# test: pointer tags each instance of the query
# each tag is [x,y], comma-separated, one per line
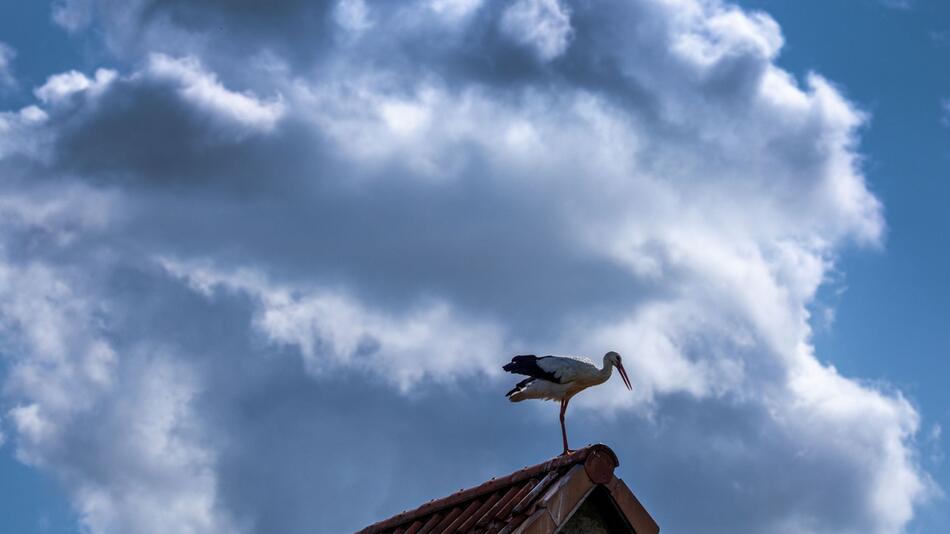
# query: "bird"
[560,378]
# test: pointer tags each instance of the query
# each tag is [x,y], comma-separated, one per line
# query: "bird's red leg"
[563,429]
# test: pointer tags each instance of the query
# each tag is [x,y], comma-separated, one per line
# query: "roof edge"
[578,456]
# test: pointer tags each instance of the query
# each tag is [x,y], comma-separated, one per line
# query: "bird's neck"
[604,373]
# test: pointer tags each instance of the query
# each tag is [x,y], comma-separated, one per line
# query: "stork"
[560,378]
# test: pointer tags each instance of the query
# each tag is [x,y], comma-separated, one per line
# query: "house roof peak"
[505,503]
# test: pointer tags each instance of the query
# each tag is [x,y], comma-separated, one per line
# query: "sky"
[260,265]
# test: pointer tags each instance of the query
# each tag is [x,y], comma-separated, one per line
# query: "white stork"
[560,378]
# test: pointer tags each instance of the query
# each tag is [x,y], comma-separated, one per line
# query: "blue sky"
[260,239]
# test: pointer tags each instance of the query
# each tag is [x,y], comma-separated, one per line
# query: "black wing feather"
[527,364]
[520,385]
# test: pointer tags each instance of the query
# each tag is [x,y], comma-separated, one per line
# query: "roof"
[535,500]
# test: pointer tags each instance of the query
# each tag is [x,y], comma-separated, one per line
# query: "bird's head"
[614,359]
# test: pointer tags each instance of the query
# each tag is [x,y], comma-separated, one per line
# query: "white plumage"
[574,375]
[560,378]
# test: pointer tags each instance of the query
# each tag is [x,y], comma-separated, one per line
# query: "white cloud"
[7,54]
[726,31]
[353,15]
[331,329]
[201,87]
[71,384]
[544,25]
[161,479]
[454,10]
[73,15]
[59,87]
[168,482]
[19,130]
[826,406]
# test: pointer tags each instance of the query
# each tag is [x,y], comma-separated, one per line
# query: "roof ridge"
[525,473]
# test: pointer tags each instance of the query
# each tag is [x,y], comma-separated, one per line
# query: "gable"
[597,514]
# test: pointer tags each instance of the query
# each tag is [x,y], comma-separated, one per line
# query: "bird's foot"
[568,452]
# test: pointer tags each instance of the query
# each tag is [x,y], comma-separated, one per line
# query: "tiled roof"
[534,499]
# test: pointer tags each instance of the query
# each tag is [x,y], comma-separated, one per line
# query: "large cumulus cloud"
[270,259]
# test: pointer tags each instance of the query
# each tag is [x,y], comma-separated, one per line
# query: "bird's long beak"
[623,375]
